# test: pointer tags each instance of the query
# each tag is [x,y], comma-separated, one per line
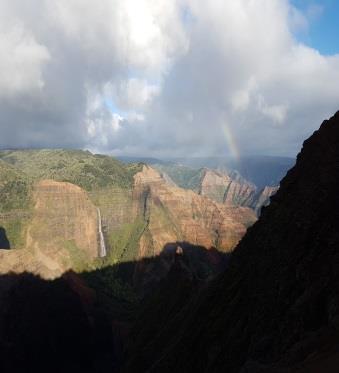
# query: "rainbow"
[231,143]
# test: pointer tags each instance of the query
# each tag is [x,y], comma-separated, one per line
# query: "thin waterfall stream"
[102,252]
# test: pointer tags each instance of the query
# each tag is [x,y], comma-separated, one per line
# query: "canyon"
[123,244]
[66,225]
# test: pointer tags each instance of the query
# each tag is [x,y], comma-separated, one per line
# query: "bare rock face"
[239,194]
[63,212]
[18,261]
[175,214]
[223,189]
[263,198]
[62,234]
[214,185]
[232,191]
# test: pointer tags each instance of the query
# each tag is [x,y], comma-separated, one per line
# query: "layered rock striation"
[234,191]
[176,214]
[62,232]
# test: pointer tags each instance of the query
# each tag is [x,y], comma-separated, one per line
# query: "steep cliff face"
[175,214]
[234,190]
[239,194]
[62,232]
[262,199]
[276,308]
[214,185]
[69,213]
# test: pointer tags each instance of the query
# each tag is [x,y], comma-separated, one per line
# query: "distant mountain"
[275,308]
[234,190]
[263,170]
[259,170]
[184,176]
[229,188]
[247,181]
[146,160]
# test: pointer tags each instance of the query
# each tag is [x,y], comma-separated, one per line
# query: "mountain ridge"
[275,308]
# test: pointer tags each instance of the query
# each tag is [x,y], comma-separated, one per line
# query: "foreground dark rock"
[44,328]
[276,308]
[81,322]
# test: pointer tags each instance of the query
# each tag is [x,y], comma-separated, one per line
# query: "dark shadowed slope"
[43,327]
[80,322]
[277,306]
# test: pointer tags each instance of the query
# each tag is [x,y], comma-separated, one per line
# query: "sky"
[322,32]
[167,78]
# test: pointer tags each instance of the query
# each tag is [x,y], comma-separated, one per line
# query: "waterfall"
[102,252]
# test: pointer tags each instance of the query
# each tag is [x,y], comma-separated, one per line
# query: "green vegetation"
[108,181]
[184,177]
[162,218]
[124,242]
[113,197]
[114,296]
[15,188]
[89,171]
[78,257]
[112,283]
[150,245]
[15,192]
[14,195]
[122,236]
[108,282]
[15,231]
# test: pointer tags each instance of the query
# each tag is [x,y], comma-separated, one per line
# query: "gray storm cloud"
[161,78]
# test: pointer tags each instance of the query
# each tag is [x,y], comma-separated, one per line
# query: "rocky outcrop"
[239,194]
[214,185]
[233,190]
[175,214]
[275,309]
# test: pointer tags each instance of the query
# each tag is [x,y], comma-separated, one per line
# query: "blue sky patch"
[323,31]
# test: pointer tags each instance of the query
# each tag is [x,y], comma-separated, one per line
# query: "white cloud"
[276,113]
[245,68]
[132,93]
[162,77]
[21,63]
